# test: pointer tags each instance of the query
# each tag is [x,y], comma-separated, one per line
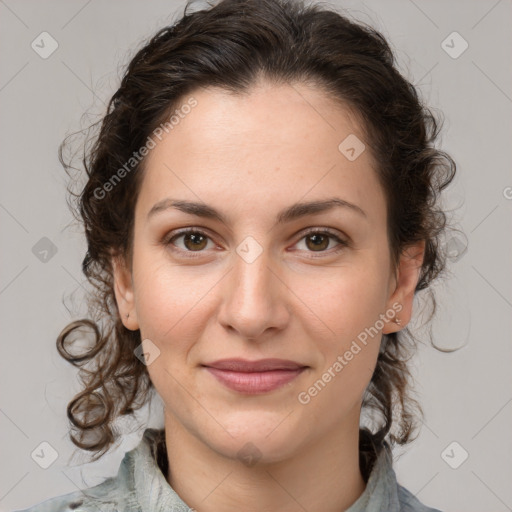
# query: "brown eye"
[318,241]
[193,241]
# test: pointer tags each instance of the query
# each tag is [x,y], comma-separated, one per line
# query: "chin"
[255,439]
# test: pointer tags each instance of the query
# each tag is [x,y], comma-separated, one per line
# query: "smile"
[255,382]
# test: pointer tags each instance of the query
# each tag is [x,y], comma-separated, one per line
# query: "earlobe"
[408,275]
[123,290]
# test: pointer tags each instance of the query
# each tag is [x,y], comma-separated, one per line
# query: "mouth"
[254,377]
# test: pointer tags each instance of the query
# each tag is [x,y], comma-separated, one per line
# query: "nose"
[255,299]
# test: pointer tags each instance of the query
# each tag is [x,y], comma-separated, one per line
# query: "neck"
[321,476]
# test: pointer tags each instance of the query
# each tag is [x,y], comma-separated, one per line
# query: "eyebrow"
[290,213]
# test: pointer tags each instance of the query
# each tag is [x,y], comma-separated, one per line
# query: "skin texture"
[249,157]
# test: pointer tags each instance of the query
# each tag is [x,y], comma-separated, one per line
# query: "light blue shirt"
[140,486]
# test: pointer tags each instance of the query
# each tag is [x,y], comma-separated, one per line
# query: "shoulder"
[409,502]
[383,493]
[108,495]
[135,476]
[114,494]
[58,504]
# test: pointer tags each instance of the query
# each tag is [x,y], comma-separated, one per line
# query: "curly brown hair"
[231,45]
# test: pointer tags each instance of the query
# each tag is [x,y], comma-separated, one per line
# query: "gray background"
[466,394]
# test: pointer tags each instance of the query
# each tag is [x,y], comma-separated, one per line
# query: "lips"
[254,377]
[262,365]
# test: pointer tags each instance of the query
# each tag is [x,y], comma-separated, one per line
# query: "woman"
[260,211]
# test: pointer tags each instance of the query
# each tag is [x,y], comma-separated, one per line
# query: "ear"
[125,297]
[402,297]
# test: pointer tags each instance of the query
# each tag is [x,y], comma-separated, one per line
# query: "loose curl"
[232,45]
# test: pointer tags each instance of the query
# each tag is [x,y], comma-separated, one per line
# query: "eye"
[319,240]
[194,240]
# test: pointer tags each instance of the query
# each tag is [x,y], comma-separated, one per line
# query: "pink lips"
[252,377]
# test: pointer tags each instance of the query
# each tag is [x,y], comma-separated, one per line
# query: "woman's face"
[258,284]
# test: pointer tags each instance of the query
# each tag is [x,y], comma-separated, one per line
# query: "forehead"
[286,114]
[272,145]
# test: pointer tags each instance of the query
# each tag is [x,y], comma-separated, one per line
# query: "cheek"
[168,297]
[171,310]
[346,300]
[348,304]
[350,307]
[174,305]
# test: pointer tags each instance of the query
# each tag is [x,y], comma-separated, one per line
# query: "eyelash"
[322,231]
